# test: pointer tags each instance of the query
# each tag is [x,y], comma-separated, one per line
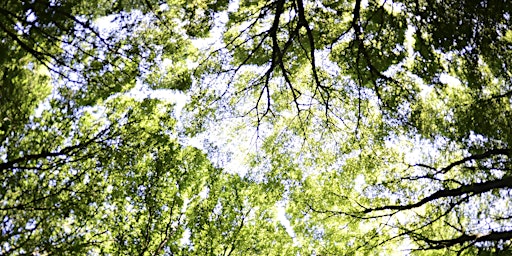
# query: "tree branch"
[474,238]
[475,188]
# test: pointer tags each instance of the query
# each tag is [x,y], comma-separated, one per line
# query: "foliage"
[381,127]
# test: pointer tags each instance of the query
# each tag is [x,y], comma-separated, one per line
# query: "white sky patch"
[364,3]
[409,40]
[392,7]
[106,24]
[45,105]
[185,239]
[163,7]
[140,92]
[281,217]
[359,183]
[233,6]
[204,193]
[449,80]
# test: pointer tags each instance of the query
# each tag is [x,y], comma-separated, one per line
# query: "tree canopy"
[308,127]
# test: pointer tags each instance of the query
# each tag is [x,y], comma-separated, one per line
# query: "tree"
[87,168]
[382,126]
[341,93]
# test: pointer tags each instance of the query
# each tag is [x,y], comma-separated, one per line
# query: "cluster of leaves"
[380,126]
